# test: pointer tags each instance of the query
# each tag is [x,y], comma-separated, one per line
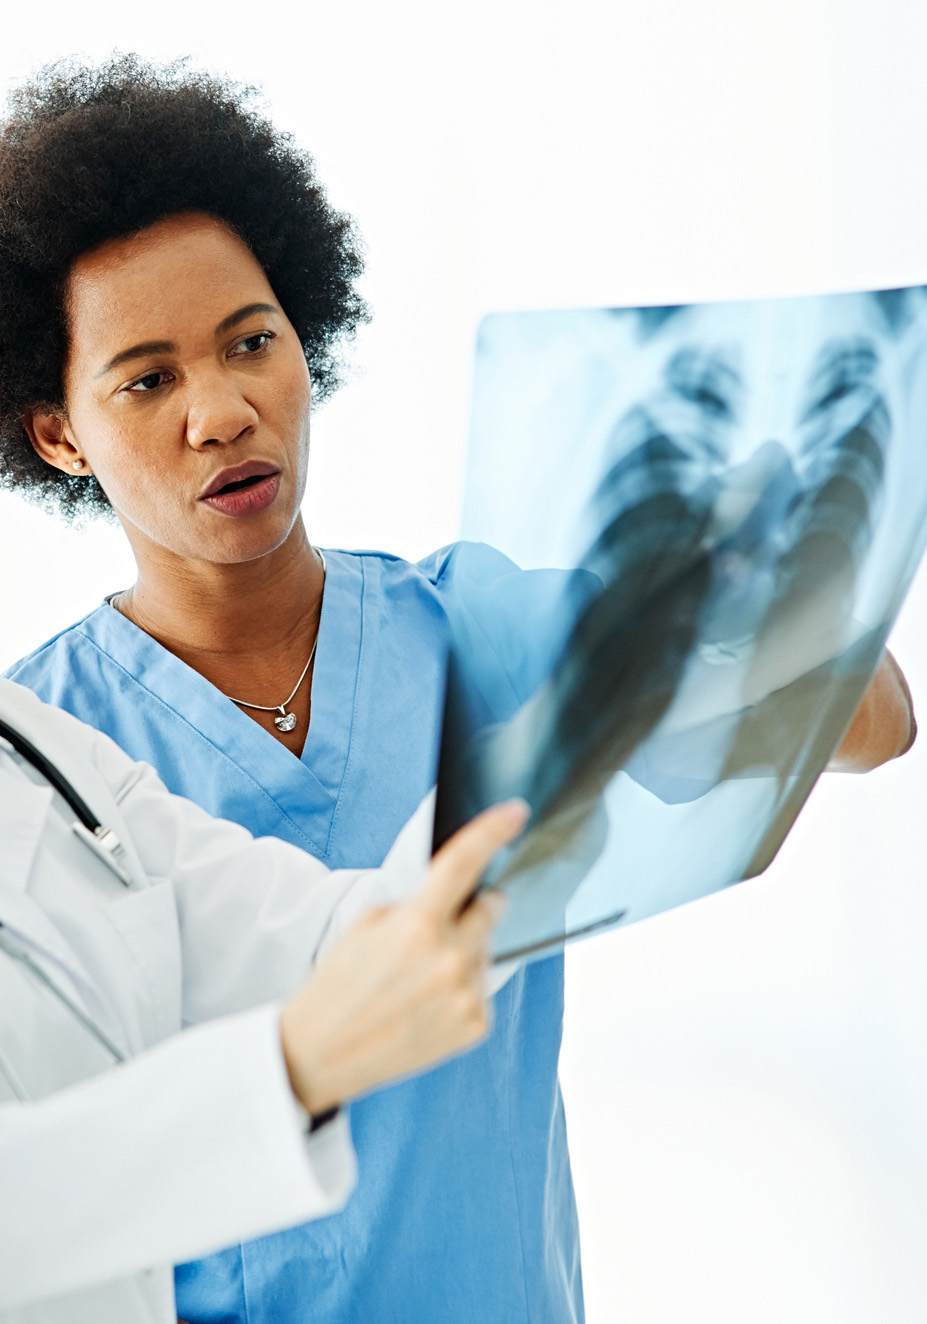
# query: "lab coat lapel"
[24,810]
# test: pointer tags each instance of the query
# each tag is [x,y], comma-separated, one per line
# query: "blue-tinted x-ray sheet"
[719,508]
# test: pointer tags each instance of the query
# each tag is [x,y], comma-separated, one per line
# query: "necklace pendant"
[285,721]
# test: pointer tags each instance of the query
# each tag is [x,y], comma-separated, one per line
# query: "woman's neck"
[238,625]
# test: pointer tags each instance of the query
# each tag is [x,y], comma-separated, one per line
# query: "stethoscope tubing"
[101,840]
[52,774]
[19,953]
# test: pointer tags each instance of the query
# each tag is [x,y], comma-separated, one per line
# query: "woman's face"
[187,392]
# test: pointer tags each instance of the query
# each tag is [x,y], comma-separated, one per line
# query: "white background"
[745,1078]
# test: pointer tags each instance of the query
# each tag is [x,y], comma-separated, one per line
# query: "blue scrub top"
[464,1211]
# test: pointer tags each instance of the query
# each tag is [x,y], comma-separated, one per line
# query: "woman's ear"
[51,439]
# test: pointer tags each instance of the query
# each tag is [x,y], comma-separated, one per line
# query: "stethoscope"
[87,827]
[106,846]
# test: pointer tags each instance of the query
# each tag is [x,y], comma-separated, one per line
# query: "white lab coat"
[197,1143]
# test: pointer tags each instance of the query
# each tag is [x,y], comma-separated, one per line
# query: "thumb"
[459,864]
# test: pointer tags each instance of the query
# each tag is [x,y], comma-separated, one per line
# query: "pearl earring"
[77,464]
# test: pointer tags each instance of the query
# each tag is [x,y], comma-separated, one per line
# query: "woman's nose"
[218,413]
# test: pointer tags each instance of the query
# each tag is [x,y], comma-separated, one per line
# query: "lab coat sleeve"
[193,1145]
[254,913]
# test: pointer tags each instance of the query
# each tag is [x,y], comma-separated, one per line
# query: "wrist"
[305,1079]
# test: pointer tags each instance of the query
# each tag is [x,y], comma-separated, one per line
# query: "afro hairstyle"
[90,153]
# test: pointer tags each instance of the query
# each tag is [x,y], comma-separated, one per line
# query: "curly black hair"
[90,153]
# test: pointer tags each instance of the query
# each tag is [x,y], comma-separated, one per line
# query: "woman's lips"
[246,500]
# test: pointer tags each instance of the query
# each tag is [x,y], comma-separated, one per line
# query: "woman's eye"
[149,382]
[253,344]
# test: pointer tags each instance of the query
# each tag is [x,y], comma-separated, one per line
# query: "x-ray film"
[687,532]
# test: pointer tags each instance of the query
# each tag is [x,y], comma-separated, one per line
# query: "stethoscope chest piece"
[106,846]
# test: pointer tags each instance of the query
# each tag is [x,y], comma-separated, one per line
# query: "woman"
[174,288]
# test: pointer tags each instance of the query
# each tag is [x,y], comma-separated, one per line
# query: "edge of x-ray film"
[686,534]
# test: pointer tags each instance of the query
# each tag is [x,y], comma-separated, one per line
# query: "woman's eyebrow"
[138,352]
[234,318]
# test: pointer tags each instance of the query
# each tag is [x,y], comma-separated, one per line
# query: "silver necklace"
[285,721]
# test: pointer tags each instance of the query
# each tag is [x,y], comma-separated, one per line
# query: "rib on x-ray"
[687,533]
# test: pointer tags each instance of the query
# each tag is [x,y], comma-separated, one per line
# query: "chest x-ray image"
[688,532]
